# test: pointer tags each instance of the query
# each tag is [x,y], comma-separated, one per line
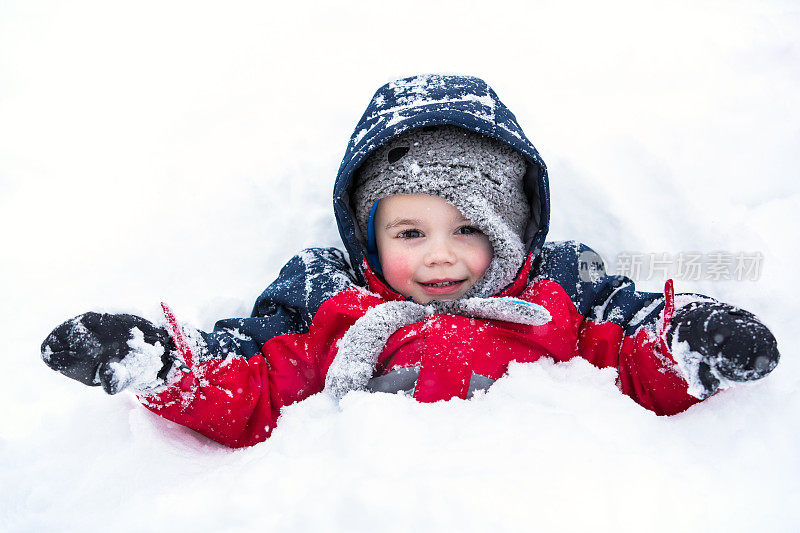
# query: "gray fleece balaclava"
[480,176]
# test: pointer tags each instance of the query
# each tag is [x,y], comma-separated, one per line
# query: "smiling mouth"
[448,283]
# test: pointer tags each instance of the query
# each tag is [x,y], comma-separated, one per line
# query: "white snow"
[688,363]
[139,369]
[182,152]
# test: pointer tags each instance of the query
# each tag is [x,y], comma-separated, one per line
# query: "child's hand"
[725,343]
[115,351]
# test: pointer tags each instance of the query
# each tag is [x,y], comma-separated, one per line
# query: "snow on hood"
[433,99]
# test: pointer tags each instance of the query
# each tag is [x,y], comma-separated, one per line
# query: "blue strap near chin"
[372,243]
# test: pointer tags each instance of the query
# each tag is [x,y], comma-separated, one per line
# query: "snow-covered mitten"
[716,343]
[364,341]
[115,351]
[506,308]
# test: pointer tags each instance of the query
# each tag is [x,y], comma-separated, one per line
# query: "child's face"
[427,249]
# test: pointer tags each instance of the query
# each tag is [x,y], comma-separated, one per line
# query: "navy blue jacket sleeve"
[287,306]
[600,297]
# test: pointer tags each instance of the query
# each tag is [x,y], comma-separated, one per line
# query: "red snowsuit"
[237,401]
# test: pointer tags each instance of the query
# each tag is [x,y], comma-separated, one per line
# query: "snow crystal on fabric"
[644,312]
[326,270]
[47,354]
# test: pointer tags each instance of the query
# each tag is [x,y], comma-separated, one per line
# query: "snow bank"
[178,152]
[552,445]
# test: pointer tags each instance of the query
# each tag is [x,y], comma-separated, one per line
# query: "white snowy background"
[183,151]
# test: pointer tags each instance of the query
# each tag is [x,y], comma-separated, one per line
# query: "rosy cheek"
[397,271]
[481,260]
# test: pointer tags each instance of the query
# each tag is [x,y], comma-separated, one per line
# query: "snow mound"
[525,452]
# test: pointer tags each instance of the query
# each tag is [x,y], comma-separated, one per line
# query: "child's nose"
[440,252]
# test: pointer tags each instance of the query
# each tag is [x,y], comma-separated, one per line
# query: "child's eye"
[410,234]
[467,230]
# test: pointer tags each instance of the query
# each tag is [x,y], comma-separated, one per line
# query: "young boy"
[443,205]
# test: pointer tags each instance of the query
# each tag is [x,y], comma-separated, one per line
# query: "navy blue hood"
[427,100]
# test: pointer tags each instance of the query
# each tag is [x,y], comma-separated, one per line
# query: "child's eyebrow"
[402,222]
[415,222]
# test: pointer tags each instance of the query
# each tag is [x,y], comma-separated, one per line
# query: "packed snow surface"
[182,152]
